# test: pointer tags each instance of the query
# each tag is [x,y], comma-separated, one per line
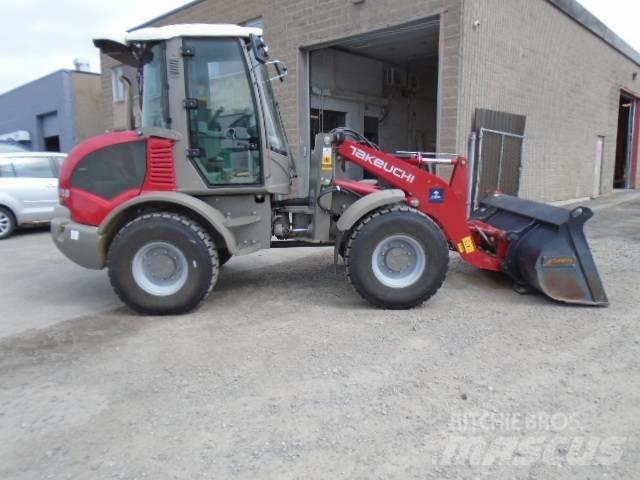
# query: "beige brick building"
[539,92]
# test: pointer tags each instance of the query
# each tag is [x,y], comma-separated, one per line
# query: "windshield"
[275,131]
[152,92]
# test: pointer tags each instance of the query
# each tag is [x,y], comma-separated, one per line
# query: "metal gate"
[499,163]
[498,157]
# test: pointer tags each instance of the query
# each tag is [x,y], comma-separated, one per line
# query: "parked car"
[11,147]
[28,189]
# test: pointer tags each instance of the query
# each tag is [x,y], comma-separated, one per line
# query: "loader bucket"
[548,251]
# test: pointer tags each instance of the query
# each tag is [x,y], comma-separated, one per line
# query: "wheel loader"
[209,175]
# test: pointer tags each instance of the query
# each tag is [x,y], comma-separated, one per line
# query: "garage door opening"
[383,84]
[626,151]
[52,144]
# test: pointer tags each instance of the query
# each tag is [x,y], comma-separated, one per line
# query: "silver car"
[28,188]
[11,147]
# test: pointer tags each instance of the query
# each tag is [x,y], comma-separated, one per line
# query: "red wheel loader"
[209,175]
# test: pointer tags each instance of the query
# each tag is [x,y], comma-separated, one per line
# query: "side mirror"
[281,70]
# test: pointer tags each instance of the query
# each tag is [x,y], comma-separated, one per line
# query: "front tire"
[163,264]
[397,258]
[7,223]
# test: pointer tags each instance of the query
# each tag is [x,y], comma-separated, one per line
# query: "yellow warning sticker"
[461,248]
[327,159]
[469,246]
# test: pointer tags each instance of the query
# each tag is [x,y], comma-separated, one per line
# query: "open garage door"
[383,84]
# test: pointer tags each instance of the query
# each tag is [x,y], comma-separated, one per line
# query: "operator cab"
[197,82]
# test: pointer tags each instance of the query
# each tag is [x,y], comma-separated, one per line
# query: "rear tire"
[397,258]
[163,264]
[7,223]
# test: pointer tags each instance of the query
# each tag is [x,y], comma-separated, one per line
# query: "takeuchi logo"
[382,165]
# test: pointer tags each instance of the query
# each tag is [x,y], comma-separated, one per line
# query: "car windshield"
[152,93]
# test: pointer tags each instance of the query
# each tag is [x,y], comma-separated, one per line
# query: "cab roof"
[151,34]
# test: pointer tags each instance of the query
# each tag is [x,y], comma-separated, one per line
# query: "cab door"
[225,143]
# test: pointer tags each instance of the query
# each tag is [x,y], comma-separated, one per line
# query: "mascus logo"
[383,165]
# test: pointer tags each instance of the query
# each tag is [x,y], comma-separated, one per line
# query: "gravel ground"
[285,373]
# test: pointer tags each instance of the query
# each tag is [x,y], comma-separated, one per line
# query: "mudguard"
[368,204]
[211,215]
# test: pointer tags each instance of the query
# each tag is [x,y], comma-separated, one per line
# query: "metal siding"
[24,107]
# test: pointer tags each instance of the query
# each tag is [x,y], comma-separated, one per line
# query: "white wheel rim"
[5,223]
[398,261]
[160,269]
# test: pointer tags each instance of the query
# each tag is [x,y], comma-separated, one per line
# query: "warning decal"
[469,246]
[327,159]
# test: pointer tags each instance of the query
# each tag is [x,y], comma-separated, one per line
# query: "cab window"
[223,124]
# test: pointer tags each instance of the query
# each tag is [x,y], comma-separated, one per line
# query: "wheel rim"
[5,223]
[160,269]
[398,261]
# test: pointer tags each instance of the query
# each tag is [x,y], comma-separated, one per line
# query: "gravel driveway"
[285,373]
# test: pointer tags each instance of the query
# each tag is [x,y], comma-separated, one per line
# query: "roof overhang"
[155,34]
[118,46]
[589,21]
[17,136]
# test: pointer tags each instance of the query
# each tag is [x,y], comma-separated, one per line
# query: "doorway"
[626,151]
[383,84]
[52,143]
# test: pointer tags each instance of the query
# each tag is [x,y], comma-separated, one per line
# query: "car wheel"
[7,223]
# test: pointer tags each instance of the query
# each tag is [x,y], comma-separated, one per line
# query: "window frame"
[117,87]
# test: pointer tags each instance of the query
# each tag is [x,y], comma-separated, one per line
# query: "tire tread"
[357,230]
[198,230]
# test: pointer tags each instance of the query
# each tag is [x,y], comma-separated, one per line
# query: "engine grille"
[161,173]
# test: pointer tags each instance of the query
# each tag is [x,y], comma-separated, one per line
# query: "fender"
[209,214]
[368,204]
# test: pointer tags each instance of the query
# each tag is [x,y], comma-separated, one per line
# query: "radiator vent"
[161,174]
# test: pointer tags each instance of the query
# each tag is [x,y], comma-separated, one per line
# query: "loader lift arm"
[540,247]
[445,203]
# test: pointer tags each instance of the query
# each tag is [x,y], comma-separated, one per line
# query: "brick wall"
[290,24]
[87,98]
[529,58]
